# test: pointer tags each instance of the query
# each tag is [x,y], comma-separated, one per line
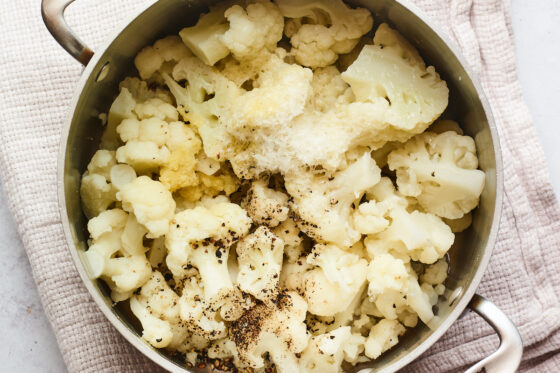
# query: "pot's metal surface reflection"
[470,253]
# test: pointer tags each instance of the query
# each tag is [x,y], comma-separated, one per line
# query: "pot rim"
[165,363]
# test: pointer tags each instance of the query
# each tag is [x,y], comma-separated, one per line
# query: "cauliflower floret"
[329,90]
[200,318]
[264,205]
[325,352]
[383,335]
[333,285]
[141,92]
[202,237]
[124,273]
[393,287]
[279,94]
[277,328]
[156,306]
[121,108]
[180,170]
[440,170]
[204,38]
[150,59]
[260,260]
[334,29]
[151,203]
[210,186]
[252,30]
[391,73]
[323,206]
[102,180]
[204,100]
[96,190]
[292,237]
[156,108]
[392,228]
[436,273]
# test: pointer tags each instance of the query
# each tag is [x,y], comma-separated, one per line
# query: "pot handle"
[507,357]
[53,16]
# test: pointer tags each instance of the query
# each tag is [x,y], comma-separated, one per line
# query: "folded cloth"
[37,85]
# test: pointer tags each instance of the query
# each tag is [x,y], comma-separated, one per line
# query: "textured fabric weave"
[37,83]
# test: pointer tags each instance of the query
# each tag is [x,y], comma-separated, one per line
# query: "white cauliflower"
[329,90]
[323,205]
[383,335]
[440,170]
[151,58]
[436,273]
[202,237]
[124,272]
[277,328]
[156,306]
[278,95]
[243,32]
[264,205]
[334,283]
[151,203]
[96,190]
[391,228]
[292,237]
[393,288]
[259,256]
[121,108]
[325,352]
[332,29]
[253,29]
[459,225]
[156,108]
[199,316]
[204,38]
[390,73]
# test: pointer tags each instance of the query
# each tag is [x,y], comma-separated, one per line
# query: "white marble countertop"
[27,341]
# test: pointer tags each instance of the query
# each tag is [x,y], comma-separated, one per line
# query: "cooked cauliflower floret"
[440,170]
[279,94]
[199,317]
[391,73]
[180,170]
[150,59]
[259,256]
[393,286]
[156,108]
[151,203]
[210,186]
[264,205]
[383,335]
[253,29]
[323,206]
[392,228]
[127,271]
[292,237]
[459,225]
[325,352]
[337,279]
[156,306]
[332,28]
[436,273]
[202,237]
[329,89]
[96,190]
[204,38]
[277,328]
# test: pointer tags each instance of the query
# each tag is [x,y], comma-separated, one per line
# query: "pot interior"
[468,256]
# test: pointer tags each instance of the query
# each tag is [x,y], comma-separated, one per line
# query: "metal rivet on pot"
[103,72]
[454,296]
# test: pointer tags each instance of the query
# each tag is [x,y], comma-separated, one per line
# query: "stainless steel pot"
[468,257]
